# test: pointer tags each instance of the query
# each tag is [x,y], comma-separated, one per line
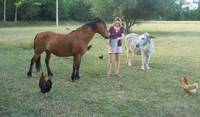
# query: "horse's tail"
[38,63]
[34,40]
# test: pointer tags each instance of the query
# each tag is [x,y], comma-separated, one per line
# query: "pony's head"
[143,40]
[99,26]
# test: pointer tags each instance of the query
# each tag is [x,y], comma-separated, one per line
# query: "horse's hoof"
[77,77]
[148,68]
[142,67]
[128,63]
[29,75]
[73,80]
[50,74]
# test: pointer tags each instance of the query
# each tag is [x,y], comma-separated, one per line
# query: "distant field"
[154,93]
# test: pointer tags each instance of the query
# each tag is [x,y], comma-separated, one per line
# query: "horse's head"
[143,40]
[101,28]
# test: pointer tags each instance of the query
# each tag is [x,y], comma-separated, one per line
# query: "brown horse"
[63,45]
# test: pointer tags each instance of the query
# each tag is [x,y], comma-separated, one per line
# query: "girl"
[115,46]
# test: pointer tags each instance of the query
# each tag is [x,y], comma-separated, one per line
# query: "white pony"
[140,45]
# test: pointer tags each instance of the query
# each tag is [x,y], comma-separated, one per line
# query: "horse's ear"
[148,35]
[151,36]
[149,40]
[97,19]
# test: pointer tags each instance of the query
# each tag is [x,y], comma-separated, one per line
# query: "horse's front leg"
[76,65]
[78,62]
[77,76]
[73,72]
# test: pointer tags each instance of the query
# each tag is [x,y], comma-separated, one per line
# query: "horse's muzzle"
[137,45]
[107,36]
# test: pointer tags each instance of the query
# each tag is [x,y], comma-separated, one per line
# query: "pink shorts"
[113,47]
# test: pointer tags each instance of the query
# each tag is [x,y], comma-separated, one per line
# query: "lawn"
[154,93]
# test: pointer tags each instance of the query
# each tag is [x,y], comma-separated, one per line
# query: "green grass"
[154,93]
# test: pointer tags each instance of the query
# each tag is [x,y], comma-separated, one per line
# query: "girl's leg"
[117,63]
[109,64]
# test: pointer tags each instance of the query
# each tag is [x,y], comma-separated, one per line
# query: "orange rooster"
[189,88]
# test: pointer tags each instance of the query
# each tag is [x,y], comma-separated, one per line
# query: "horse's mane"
[93,24]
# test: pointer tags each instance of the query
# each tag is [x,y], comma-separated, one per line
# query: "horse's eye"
[143,38]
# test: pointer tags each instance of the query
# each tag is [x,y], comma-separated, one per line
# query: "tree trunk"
[4,13]
[57,13]
[127,30]
[129,24]
[16,13]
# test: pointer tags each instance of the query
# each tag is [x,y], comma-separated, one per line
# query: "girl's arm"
[122,35]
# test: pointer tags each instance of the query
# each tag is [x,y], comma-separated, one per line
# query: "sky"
[191,5]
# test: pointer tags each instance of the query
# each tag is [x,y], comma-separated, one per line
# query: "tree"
[4,13]
[105,8]
[57,13]
[18,3]
[197,2]
[80,10]
[28,4]
[130,10]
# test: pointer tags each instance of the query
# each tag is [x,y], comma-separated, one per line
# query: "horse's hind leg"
[33,60]
[48,56]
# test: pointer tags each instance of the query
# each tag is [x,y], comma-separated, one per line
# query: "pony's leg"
[147,61]
[128,57]
[33,60]
[143,59]
[48,56]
